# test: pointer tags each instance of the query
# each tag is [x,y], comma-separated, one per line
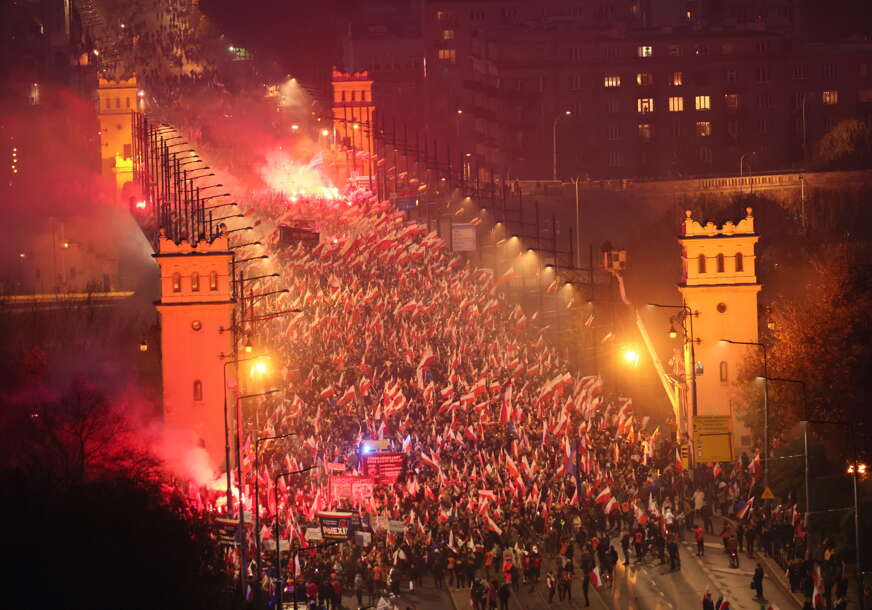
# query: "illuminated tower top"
[714,255]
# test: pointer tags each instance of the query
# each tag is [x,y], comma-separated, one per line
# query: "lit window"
[720,260]
[646,51]
[830,97]
[213,280]
[724,372]
[198,390]
[612,81]
[645,132]
[740,262]
[703,102]
[700,263]
[177,282]
[731,101]
[447,34]
[195,281]
[645,105]
[703,128]
[449,55]
[442,15]
[643,79]
[677,79]
[676,104]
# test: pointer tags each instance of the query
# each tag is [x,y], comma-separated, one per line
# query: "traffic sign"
[712,438]
[767,494]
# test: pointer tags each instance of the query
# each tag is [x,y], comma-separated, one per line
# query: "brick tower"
[195,310]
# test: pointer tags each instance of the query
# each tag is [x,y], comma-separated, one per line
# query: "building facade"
[651,89]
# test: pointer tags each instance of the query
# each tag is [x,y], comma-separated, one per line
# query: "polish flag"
[512,468]
[326,393]
[552,288]
[603,496]
[480,387]
[430,461]
[447,392]
[505,278]
[594,577]
[347,397]
[426,360]
[487,493]
[610,506]
[469,433]
[746,508]
[493,526]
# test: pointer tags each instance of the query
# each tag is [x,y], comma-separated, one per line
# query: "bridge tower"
[117,100]
[719,281]
[353,109]
[196,303]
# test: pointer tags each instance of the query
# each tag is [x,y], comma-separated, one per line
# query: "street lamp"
[687,312]
[257,443]
[280,586]
[554,140]
[742,161]
[239,486]
[222,356]
[855,470]
[765,405]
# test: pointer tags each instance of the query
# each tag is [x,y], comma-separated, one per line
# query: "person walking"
[707,603]
[504,593]
[551,582]
[699,534]
[757,581]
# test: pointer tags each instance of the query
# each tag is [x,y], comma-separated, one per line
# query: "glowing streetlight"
[325,132]
[631,357]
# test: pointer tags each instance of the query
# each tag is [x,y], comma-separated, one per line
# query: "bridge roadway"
[646,586]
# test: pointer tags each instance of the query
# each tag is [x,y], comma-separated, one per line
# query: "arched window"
[720,263]
[213,280]
[195,281]
[700,263]
[198,390]
[740,262]
[724,377]
[177,282]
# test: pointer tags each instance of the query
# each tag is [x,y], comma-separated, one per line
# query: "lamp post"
[279,584]
[554,141]
[765,405]
[688,338]
[742,161]
[854,471]
[239,465]
[257,443]
[805,454]
[575,182]
[242,554]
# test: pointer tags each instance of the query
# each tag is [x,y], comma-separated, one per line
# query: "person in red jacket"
[699,534]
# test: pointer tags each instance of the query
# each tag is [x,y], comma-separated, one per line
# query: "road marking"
[733,571]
